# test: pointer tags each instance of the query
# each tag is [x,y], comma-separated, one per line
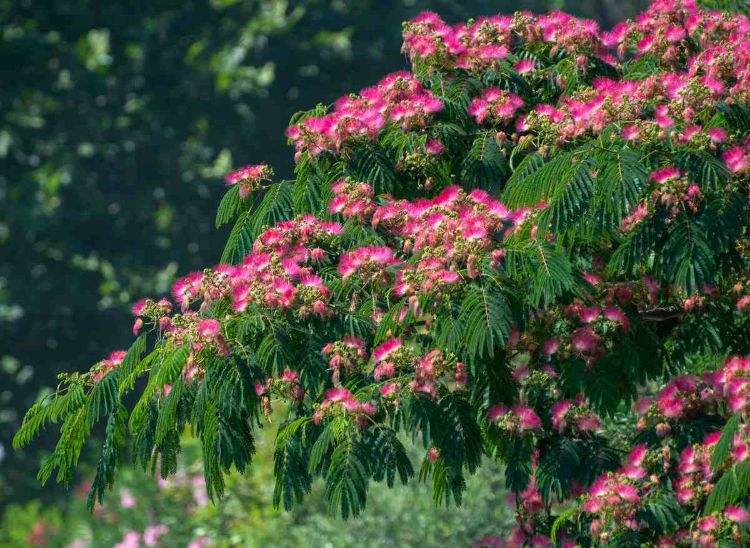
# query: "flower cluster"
[734,380]
[190,329]
[340,401]
[370,263]
[695,477]
[104,367]
[352,199]
[249,178]
[495,106]
[590,326]
[516,420]
[345,356]
[277,274]
[398,98]
[482,44]
[478,46]
[449,233]
[575,416]
[683,397]
[614,498]
[157,312]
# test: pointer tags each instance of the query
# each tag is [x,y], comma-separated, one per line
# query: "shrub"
[532,248]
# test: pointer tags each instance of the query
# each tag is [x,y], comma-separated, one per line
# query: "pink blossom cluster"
[614,498]
[393,358]
[398,98]
[495,106]
[673,98]
[157,312]
[104,367]
[692,83]
[249,178]
[198,333]
[449,233]
[694,476]
[693,482]
[734,381]
[588,329]
[369,263]
[275,275]
[737,159]
[575,416]
[519,419]
[674,192]
[341,401]
[352,199]
[482,44]
[427,370]
[685,396]
[664,31]
[681,398]
[478,46]
[529,511]
[286,386]
[345,356]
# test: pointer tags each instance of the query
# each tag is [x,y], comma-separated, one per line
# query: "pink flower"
[737,514]
[338,394]
[131,539]
[386,349]
[139,307]
[558,412]
[209,328]
[717,134]
[434,147]
[127,500]
[525,66]
[665,174]
[637,454]
[584,339]
[590,314]
[388,389]
[590,278]
[551,346]
[736,159]
[631,132]
[616,314]
[528,419]
[152,534]
[496,412]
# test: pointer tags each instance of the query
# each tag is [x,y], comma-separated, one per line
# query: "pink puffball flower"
[209,328]
[384,350]
[524,66]
[738,514]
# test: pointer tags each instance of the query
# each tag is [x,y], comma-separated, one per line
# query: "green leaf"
[724,445]
[347,478]
[731,487]
[486,319]
[229,206]
[484,165]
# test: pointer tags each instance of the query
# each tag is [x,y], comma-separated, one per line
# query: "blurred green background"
[118,120]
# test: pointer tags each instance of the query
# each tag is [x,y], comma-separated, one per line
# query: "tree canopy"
[533,248]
